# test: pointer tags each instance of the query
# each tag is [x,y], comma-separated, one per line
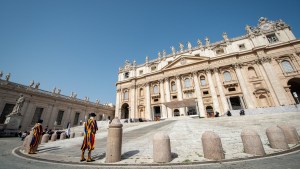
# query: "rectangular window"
[219,51]
[205,93]
[126,75]
[155,100]
[272,38]
[232,89]
[8,108]
[76,118]
[141,72]
[59,117]
[242,46]
[174,97]
[153,68]
[37,115]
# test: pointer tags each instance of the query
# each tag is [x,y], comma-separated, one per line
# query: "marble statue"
[58,91]
[159,55]
[1,74]
[17,108]
[248,29]
[54,90]
[225,36]
[189,45]
[207,41]
[7,77]
[181,47]
[37,85]
[199,43]
[173,50]
[164,53]
[97,101]
[134,63]
[75,95]
[31,83]
[147,59]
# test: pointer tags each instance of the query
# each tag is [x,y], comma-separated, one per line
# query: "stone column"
[266,79]
[168,96]
[229,103]
[242,102]
[221,92]
[179,94]
[213,91]
[244,87]
[132,102]
[198,95]
[162,99]
[117,113]
[148,114]
[275,82]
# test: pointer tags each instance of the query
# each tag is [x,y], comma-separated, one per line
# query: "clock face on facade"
[265,27]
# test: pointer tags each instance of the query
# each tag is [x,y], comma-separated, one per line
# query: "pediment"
[185,60]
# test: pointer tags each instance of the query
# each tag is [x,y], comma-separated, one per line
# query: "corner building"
[257,70]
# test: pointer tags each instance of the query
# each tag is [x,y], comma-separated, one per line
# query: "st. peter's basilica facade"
[257,70]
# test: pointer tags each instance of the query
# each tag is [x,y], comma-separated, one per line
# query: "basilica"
[259,69]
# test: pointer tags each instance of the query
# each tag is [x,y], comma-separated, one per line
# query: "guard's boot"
[82,156]
[89,159]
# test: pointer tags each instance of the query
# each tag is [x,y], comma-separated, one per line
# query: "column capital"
[166,79]
[178,77]
[217,70]
[237,65]
[208,70]
[195,73]
[161,81]
[132,87]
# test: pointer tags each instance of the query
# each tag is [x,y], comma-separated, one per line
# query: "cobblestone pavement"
[185,135]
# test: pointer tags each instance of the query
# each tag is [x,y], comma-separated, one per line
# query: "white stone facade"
[47,106]
[258,69]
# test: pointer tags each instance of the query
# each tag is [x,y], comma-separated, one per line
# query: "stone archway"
[125,111]
[176,112]
[294,84]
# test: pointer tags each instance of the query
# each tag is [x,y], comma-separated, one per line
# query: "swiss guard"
[37,135]
[90,129]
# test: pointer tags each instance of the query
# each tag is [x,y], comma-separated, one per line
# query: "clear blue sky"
[79,45]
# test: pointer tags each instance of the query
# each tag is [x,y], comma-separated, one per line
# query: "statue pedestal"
[13,122]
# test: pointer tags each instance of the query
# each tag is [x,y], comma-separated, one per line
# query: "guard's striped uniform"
[90,128]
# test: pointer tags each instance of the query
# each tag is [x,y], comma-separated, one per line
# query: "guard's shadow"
[129,154]
[42,150]
[99,156]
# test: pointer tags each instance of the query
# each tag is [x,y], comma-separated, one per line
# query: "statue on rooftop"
[37,85]
[1,74]
[173,50]
[7,77]
[147,59]
[248,29]
[199,43]
[207,41]
[225,36]
[31,83]
[159,55]
[164,53]
[189,45]
[54,90]
[181,46]
[58,91]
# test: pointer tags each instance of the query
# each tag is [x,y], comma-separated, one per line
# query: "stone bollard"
[72,135]
[54,136]
[62,136]
[252,143]
[26,143]
[114,141]
[45,138]
[212,146]
[161,148]
[81,134]
[290,134]
[276,138]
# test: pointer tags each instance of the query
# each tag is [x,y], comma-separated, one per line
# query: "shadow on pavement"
[129,154]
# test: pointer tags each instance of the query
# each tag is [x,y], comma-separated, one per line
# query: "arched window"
[202,81]
[173,86]
[141,92]
[287,67]
[155,89]
[227,76]
[251,72]
[187,83]
[126,95]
